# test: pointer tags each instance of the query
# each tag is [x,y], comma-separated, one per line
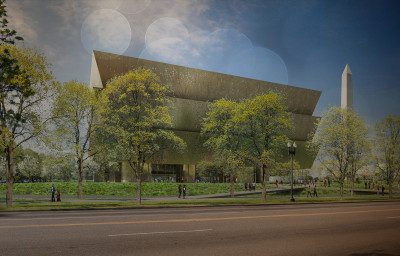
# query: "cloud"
[24,24]
[133,7]
[172,31]
[224,50]
[106,30]
[166,28]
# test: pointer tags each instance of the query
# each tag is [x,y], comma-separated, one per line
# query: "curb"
[197,206]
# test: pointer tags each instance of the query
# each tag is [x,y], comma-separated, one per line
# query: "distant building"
[193,90]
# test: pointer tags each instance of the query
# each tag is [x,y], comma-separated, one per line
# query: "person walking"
[180,191]
[53,191]
[184,191]
[58,195]
[315,190]
[309,190]
[383,190]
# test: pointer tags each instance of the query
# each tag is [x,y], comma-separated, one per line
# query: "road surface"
[320,229]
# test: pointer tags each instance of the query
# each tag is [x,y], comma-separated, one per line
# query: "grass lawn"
[35,196]
[149,189]
[255,200]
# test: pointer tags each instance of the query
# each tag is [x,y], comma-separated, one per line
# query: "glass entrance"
[167,172]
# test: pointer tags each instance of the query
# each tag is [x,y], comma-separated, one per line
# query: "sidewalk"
[109,198]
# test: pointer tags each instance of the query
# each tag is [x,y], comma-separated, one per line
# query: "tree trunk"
[264,184]
[80,178]
[10,170]
[341,189]
[139,189]
[232,185]
[352,187]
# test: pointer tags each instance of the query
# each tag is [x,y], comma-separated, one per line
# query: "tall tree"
[223,139]
[135,120]
[253,131]
[25,82]
[341,140]
[263,123]
[74,113]
[387,145]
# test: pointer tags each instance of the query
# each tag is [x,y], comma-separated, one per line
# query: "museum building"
[192,91]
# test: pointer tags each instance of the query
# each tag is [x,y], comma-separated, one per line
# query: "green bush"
[149,189]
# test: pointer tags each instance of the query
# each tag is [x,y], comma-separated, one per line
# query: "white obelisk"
[347,88]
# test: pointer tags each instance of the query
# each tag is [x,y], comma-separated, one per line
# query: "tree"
[341,140]
[25,82]
[286,168]
[222,166]
[74,113]
[211,170]
[387,145]
[360,150]
[253,131]
[222,139]
[29,165]
[263,124]
[135,120]
[59,167]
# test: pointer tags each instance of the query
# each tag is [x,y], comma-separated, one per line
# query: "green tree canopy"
[223,140]
[135,120]
[74,114]
[341,140]
[29,165]
[387,147]
[250,132]
[23,94]
[264,124]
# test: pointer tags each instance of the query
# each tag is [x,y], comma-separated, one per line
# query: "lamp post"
[292,153]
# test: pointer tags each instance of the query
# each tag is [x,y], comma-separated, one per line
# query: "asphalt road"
[328,229]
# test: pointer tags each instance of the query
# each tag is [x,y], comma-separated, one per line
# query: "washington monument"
[347,88]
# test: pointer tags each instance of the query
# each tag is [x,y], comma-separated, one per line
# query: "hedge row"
[121,189]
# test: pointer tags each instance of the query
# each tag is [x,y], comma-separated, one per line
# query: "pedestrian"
[383,190]
[179,191]
[276,183]
[184,191]
[58,196]
[315,190]
[329,182]
[245,186]
[53,191]
[309,190]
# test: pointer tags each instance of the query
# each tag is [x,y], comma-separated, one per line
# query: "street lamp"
[292,152]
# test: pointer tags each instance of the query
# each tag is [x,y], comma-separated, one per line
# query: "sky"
[300,43]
